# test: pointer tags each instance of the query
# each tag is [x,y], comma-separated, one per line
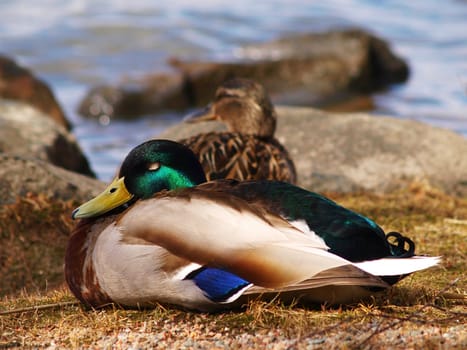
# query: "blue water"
[76,44]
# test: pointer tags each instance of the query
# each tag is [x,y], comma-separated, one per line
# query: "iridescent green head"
[156,165]
[151,167]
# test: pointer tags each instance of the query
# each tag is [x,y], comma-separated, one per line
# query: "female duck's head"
[244,106]
[151,167]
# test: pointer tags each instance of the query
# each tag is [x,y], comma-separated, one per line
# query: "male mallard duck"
[159,233]
[248,150]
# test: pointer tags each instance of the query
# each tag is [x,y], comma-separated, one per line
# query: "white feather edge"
[398,266]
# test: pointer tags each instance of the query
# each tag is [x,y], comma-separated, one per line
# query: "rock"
[354,152]
[370,62]
[27,132]
[310,69]
[325,69]
[155,93]
[18,83]
[20,176]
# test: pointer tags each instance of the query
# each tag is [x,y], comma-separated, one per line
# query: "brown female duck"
[248,150]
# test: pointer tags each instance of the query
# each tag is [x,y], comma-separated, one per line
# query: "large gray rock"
[26,131]
[318,69]
[314,69]
[20,176]
[352,152]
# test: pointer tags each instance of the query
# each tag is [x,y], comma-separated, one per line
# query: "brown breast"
[79,270]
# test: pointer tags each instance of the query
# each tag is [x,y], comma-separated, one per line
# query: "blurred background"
[74,45]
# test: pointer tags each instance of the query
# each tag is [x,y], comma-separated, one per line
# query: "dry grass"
[33,236]
[427,310]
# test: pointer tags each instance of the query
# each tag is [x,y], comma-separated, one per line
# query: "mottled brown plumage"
[248,150]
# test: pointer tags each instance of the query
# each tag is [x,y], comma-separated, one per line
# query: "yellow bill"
[112,197]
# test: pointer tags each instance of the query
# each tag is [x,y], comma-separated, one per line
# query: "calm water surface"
[76,44]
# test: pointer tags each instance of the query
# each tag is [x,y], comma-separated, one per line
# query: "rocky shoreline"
[324,70]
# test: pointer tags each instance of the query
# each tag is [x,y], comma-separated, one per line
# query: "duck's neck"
[251,121]
[175,179]
[165,179]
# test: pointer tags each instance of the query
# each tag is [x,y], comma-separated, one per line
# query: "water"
[76,44]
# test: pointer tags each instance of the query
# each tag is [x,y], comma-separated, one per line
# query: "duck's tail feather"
[398,266]
[339,276]
[340,285]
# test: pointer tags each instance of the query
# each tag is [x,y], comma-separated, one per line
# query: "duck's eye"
[154,166]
